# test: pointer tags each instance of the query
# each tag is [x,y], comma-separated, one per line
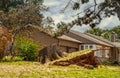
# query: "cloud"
[55,12]
[81,28]
[109,23]
[51,2]
[58,17]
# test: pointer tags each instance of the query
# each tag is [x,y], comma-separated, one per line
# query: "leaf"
[84,1]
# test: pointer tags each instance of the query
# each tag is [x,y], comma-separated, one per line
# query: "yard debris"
[87,60]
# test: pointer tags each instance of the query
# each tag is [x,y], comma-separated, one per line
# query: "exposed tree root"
[87,60]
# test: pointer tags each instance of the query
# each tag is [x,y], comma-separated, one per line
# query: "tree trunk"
[49,53]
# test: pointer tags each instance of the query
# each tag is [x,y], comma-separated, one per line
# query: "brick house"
[64,43]
[103,49]
[75,41]
[68,44]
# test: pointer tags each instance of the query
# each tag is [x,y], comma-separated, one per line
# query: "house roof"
[88,38]
[101,39]
[65,37]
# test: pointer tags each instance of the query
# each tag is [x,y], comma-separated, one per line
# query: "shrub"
[17,58]
[27,48]
[106,62]
[6,59]
[11,59]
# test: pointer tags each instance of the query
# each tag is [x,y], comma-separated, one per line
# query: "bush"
[27,48]
[17,58]
[6,59]
[11,59]
[106,62]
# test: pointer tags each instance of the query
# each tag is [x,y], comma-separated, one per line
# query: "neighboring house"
[115,52]
[64,43]
[68,44]
[75,41]
[104,49]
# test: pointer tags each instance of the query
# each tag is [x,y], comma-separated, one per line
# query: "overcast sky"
[55,7]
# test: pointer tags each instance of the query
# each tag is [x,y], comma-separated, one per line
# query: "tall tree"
[105,33]
[117,31]
[17,15]
[7,4]
[96,31]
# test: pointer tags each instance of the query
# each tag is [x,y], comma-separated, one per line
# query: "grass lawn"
[35,70]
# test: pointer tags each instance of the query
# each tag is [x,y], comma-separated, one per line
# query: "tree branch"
[66,5]
[95,5]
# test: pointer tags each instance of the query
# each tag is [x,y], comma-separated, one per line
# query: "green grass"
[36,70]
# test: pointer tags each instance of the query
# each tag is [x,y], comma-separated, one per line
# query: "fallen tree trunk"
[87,60]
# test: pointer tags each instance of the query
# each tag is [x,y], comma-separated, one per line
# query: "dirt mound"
[87,60]
[5,38]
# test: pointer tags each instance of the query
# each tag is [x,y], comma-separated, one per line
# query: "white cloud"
[81,28]
[58,17]
[51,2]
[55,12]
[109,23]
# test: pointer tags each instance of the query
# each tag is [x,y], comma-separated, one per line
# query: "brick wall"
[44,38]
[47,40]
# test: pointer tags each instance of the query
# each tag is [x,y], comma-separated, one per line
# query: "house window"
[107,53]
[90,46]
[82,47]
[86,47]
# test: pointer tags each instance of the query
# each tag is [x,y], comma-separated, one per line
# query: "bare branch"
[66,5]
[95,5]
[83,11]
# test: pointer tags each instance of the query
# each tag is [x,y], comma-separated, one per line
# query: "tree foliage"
[18,15]
[117,31]
[27,48]
[105,33]
[96,31]
[23,14]
[7,4]
[100,32]
[91,15]
[62,28]
[96,12]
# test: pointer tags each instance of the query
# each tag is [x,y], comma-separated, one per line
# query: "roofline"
[69,40]
[104,40]
[77,41]
[107,44]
